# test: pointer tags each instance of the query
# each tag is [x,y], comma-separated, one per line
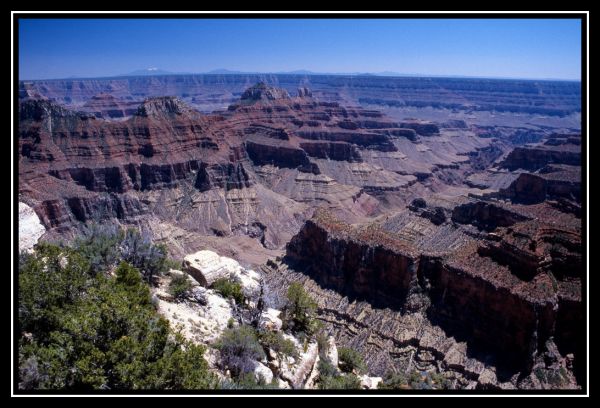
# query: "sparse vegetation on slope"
[229,289]
[276,342]
[179,287]
[415,380]
[351,361]
[239,349]
[331,379]
[300,309]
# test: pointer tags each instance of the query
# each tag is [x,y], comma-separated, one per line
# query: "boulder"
[487,379]
[269,320]
[249,280]
[207,267]
[313,376]
[369,383]
[263,372]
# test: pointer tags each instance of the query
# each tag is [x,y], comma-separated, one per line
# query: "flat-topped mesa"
[262,151]
[263,92]
[559,149]
[163,106]
[423,128]
[557,139]
[340,151]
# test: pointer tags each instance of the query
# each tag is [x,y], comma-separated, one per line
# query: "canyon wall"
[477,294]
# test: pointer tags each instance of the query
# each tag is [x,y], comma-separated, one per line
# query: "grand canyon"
[437,222]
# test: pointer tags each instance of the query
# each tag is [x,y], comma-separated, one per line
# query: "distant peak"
[161,106]
[264,92]
[149,72]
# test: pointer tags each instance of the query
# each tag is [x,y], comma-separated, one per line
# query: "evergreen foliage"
[82,327]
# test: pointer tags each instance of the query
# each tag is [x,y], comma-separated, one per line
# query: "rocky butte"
[448,246]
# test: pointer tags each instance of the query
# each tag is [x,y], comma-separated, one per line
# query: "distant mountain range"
[148,72]
[224,71]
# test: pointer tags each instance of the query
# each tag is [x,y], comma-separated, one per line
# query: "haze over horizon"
[488,48]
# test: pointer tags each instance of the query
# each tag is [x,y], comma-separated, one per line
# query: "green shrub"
[342,382]
[145,256]
[322,343]
[394,381]
[415,378]
[278,343]
[326,368]
[299,310]
[99,244]
[173,264]
[330,377]
[229,289]
[248,381]
[239,346]
[439,381]
[50,279]
[83,330]
[104,246]
[351,361]
[179,287]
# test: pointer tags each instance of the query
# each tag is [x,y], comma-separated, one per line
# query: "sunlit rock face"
[30,228]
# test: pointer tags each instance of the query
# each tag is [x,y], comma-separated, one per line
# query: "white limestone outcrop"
[369,383]
[30,228]
[207,267]
[297,370]
[201,322]
[269,320]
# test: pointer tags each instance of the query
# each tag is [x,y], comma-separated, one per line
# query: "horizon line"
[309,73]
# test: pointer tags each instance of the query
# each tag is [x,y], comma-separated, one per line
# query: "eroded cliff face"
[499,290]
[494,316]
[349,262]
[256,169]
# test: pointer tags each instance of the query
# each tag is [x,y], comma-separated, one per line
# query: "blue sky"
[543,48]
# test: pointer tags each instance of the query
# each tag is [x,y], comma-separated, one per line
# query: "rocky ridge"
[205,314]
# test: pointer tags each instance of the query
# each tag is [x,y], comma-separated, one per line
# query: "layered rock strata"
[499,292]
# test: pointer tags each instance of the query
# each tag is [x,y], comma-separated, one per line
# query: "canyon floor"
[438,223]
